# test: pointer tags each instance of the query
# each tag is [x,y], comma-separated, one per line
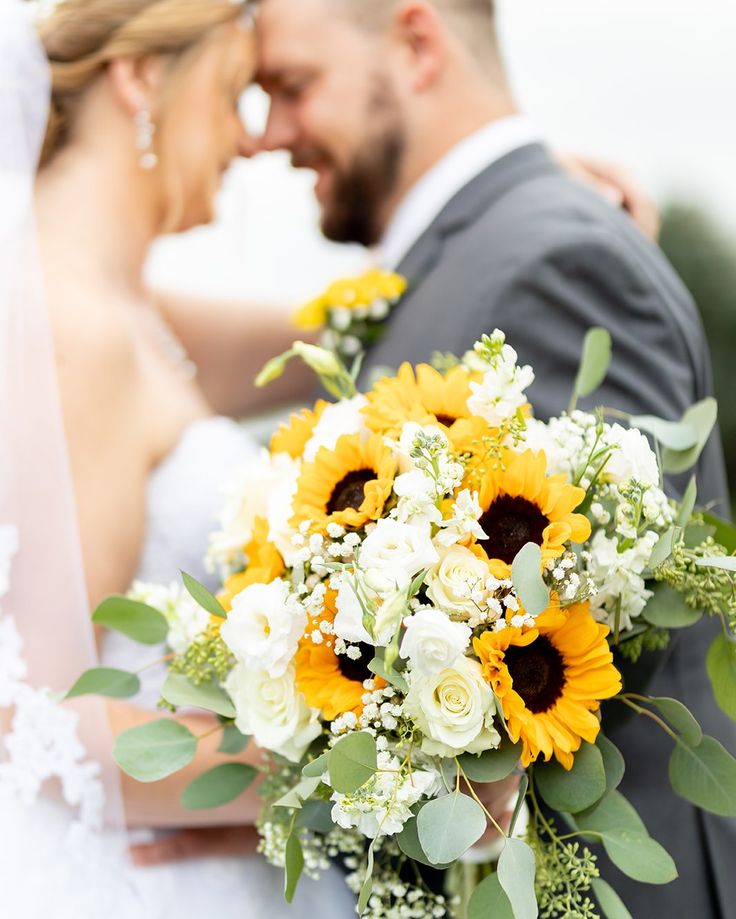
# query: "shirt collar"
[446,178]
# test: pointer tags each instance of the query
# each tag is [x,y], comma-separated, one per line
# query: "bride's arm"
[157,804]
[230,342]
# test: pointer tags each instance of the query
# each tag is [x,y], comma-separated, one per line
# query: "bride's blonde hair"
[81,37]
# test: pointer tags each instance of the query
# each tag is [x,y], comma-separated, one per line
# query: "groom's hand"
[204,842]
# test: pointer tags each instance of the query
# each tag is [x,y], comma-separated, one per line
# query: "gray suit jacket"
[525,249]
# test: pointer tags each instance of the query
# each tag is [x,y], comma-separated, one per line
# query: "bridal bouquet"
[424,590]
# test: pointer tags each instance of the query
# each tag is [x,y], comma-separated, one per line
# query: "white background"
[650,83]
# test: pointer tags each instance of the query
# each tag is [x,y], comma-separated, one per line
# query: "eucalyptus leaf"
[367,885]
[526,573]
[520,797]
[353,760]
[609,901]
[663,548]
[317,767]
[408,840]
[577,789]
[613,761]
[389,674]
[135,620]
[203,597]
[492,765]
[293,865]
[696,534]
[725,531]
[488,901]
[449,826]
[317,816]
[594,363]
[105,681]
[724,562]
[295,798]
[675,435]
[702,416]
[218,786]
[666,609]
[233,741]
[721,663]
[680,718]
[705,775]
[516,871]
[687,505]
[155,750]
[179,691]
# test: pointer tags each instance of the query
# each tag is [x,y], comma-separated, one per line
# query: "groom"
[403,109]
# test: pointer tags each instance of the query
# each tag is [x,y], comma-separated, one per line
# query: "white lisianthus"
[501,393]
[273,711]
[383,805]
[394,553]
[185,617]
[454,709]
[466,514]
[457,583]
[432,641]
[349,619]
[344,417]
[264,627]
[633,457]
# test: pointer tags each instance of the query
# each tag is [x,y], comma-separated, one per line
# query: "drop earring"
[144,131]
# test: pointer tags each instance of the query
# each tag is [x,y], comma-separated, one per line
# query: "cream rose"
[458,575]
[454,709]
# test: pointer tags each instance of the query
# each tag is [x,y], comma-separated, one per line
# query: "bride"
[142,122]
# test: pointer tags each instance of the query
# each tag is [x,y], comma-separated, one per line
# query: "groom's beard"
[353,211]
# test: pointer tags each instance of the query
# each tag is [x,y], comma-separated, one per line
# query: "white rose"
[273,711]
[454,709]
[433,642]
[453,584]
[633,458]
[394,553]
[264,627]
[345,417]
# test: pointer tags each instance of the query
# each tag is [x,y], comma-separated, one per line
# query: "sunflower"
[265,564]
[293,436]
[550,680]
[349,485]
[521,504]
[333,683]
[427,397]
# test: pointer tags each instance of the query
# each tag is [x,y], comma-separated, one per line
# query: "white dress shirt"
[443,181]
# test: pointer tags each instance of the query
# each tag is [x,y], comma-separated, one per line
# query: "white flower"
[383,805]
[433,642]
[454,584]
[394,553]
[408,440]
[501,393]
[8,548]
[617,577]
[185,617]
[454,709]
[264,627]
[341,418]
[349,619]
[466,514]
[273,711]
[633,458]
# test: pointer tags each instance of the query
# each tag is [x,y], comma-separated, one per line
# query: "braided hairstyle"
[81,37]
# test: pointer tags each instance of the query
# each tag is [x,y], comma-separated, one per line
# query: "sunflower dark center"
[538,672]
[511,523]
[357,669]
[350,491]
[447,420]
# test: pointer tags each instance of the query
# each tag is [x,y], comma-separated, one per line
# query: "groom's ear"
[420,30]
[136,81]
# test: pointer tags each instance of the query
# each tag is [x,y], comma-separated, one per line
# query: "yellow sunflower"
[293,436]
[550,680]
[349,485]
[427,397]
[332,683]
[265,564]
[521,504]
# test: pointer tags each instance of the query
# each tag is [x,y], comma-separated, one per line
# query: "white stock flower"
[465,520]
[344,417]
[617,576]
[633,458]
[501,393]
[454,709]
[264,627]
[457,583]
[394,553]
[273,711]
[432,641]
[407,441]
[185,617]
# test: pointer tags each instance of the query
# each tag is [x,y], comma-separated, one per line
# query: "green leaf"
[203,597]
[408,840]
[317,816]
[218,786]
[492,765]
[613,762]
[104,681]
[612,905]
[293,865]
[516,870]
[578,789]
[696,534]
[449,826]
[594,363]
[663,548]
[367,886]
[233,742]
[295,798]
[155,750]
[488,901]
[725,562]
[142,623]
[317,768]
[526,573]
[688,503]
[680,718]
[179,691]
[626,841]
[702,416]
[353,760]
[667,609]
[725,531]
[675,435]
[721,663]
[521,795]
[705,775]
[379,667]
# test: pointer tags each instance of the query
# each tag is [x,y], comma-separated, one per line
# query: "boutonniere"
[353,311]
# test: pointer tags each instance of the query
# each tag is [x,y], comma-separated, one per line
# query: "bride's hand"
[202,842]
